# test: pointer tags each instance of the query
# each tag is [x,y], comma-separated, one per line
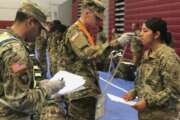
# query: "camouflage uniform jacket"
[41,46]
[77,56]
[54,39]
[18,91]
[137,49]
[158,80]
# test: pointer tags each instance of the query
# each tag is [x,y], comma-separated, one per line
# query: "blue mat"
[113,110]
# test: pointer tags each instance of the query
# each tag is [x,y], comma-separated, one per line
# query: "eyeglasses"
[98,18]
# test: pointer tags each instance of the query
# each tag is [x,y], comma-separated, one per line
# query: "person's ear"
[29,22]
[157,35]
[86,13]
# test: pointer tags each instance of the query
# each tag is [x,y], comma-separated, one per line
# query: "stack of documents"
[72,81]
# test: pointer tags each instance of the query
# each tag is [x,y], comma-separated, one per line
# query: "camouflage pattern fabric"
[53,42]
[78,56]
[126,71]
[137,50]
[158,82]
[101,38]
[82,109]
[40,46]
[20,97]
[103,66]
[52,111]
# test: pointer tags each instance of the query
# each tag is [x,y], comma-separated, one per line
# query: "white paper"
[127,63]
[72,81]
[120,100]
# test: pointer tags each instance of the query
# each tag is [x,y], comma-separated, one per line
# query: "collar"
[18,38]
[149,54]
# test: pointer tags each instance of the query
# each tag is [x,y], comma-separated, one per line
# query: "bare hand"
[128,97]
[141,105]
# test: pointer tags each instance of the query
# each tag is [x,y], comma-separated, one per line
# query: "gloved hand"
[51,86]
[125,38]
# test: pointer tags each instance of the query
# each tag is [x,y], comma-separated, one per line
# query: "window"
[119,16]
[80,7]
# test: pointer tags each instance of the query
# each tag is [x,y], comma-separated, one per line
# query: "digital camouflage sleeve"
[81,46]
[20,92]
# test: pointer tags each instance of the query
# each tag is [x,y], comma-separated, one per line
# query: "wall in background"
[169,10]
[75,10]
[55,9]
[65,12]
[111,13]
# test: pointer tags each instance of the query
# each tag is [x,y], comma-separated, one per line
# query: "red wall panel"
[75,4]
[4,24]
[111,17]
[169,10]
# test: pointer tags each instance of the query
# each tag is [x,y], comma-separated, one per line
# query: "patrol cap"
[96,6]
[33,10]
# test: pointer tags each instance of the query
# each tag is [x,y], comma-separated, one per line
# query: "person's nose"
[141,34]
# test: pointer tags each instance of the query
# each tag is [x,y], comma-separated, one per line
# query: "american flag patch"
[18,67]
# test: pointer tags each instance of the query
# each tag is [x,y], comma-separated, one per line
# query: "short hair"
[20,17]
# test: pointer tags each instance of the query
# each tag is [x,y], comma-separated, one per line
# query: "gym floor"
[114,110]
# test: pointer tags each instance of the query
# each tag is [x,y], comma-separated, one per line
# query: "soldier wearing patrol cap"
[78,53]
[20,95]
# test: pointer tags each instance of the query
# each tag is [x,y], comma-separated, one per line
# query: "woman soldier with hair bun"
[157,83]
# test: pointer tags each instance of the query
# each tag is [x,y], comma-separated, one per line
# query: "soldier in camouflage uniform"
[20,95]
[40,46]
[53,110]
[136,45]
[54,39]
[158,78]
[101,39]
[77,55]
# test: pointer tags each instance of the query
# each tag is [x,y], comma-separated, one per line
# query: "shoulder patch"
[17,68]
[74,37]
[78,40]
